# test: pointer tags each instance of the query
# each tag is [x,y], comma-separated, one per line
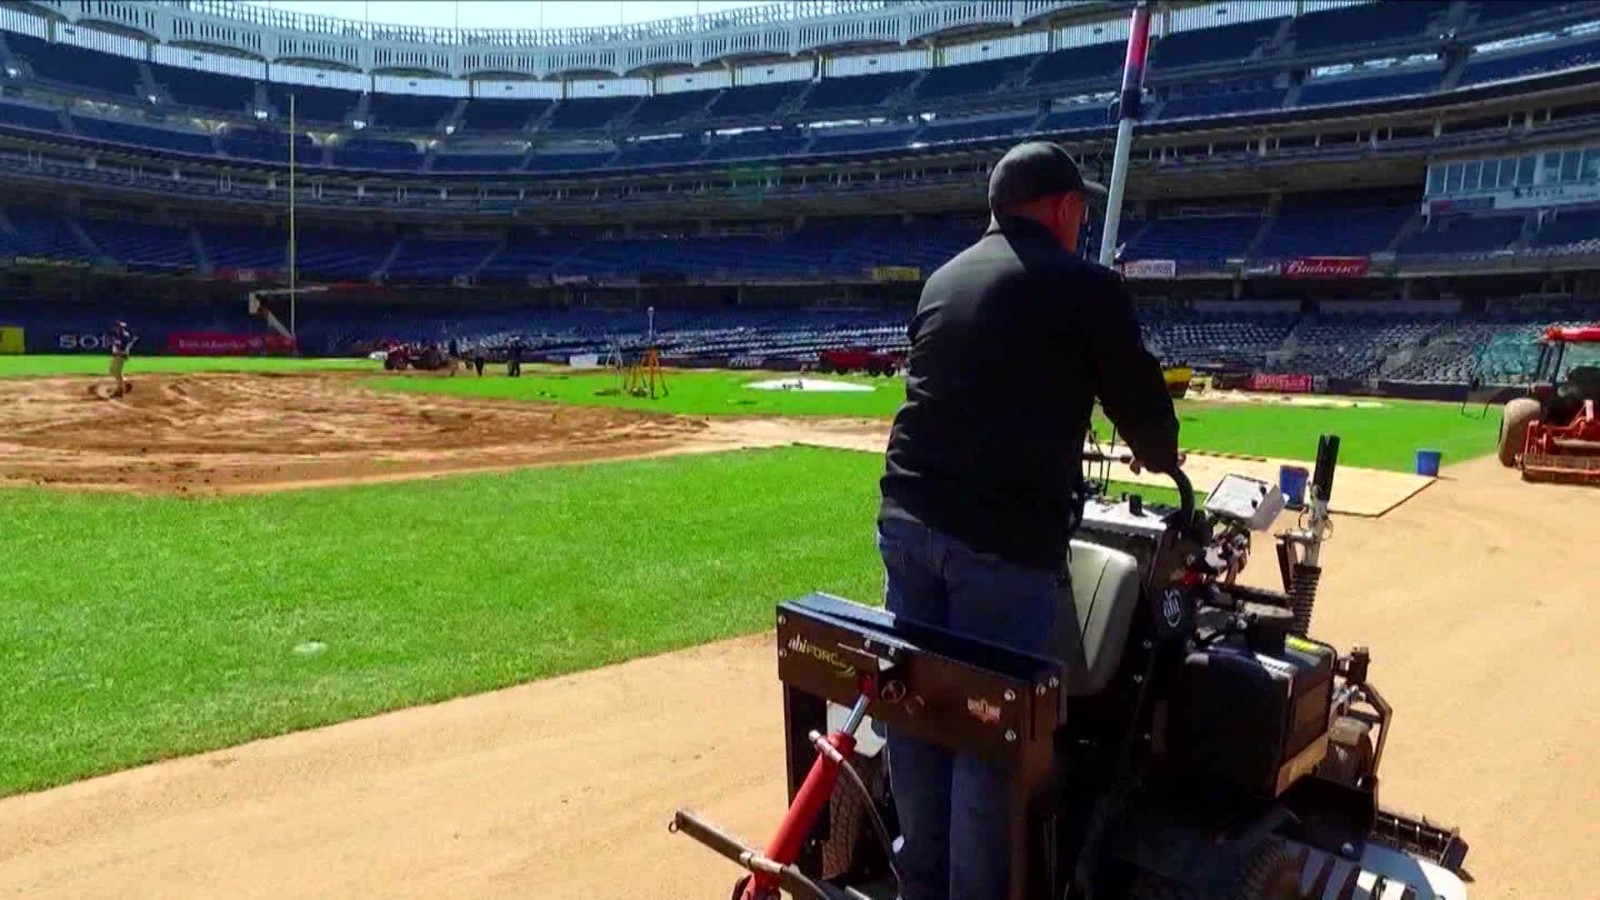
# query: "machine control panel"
[1250,502]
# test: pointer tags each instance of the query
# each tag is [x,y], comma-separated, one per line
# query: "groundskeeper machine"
[1553,434]
[1190,740]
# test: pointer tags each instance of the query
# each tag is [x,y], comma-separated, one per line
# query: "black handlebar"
[1185,494]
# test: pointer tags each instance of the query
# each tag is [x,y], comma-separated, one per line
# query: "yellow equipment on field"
[1178,379]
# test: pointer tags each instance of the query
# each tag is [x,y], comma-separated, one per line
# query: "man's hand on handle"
[1160,467]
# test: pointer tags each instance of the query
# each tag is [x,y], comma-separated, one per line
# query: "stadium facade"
[1301,167]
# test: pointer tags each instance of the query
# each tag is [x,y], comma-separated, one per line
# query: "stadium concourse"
[1384,200]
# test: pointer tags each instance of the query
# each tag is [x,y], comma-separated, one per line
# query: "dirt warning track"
[1474,596]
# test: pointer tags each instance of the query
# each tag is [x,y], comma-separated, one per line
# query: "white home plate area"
[813,385]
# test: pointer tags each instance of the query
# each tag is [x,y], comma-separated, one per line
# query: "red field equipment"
[845,360]
[1554,433]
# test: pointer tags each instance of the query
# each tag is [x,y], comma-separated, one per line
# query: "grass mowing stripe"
[141,628]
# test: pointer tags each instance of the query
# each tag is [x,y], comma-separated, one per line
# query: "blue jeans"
[953,808]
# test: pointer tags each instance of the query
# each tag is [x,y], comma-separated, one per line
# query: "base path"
[1474,597]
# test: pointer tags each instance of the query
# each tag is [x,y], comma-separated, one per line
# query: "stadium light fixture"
[358,124]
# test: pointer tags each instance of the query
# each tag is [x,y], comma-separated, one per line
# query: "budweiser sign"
[1282,383]
[1150,268]
[1326,267]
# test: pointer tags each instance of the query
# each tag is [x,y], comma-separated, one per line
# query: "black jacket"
[1011,343]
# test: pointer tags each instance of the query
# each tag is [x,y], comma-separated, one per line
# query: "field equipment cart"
[1190,741]
[1553,434]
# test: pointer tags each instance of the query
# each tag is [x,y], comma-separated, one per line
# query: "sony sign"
[80,342]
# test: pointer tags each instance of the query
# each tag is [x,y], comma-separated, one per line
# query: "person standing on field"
[121,342]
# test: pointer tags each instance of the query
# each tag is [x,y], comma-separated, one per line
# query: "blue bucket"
[1428,462]
[1292,480]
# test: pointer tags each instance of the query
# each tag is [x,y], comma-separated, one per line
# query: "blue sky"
[508,13]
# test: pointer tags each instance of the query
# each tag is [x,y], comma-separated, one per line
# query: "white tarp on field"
[819,385]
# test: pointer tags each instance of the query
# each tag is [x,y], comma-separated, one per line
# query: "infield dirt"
[1474,597]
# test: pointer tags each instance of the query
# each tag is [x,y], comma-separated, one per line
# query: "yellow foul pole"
[293,297]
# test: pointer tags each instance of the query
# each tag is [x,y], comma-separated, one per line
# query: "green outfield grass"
[1385,437]
[97,364]
[141,628]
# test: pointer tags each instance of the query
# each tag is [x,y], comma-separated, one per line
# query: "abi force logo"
[841,669]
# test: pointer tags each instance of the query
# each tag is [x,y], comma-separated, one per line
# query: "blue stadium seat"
[944,131]
[659,152]
[40,234]
[1089,116]
[527,255]
[1369,87]
[312,104]
[476,162]
[268,146]
[1514,64]
[245,248]
[757,145]
[1207,240]
[590,114]
[76,67]
[1095,62]
[407,112]
[857,91]
[566,162]
[1225,43]
[664,109]
[502,115]
[373,153]
[754,100]
[1463,235]
[852,140]
[1364,25]
[1565,228]
[1338,229]
[205,90]
[144,136]
[438,259]
[140,244]
[1222,103]
[340,254]
[972,78]
[1495,12]
[38,118]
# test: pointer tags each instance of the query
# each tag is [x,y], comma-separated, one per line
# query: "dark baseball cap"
[1033,170]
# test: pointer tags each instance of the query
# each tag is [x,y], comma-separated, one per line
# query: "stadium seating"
[143,136]
[1205,241]
[438,260]
[1226,43]
[1463,235]
[567,162]
[139,244]
[529,255]
[757,144]
[34,233]
[971,79]
[590,114]
[664,109]
[476,162]
[1568,231]
[205,90]
[267,146]
[857,91]
[502,115]
[1365,25]
[77,67]
[754,100]
[855,140]
[1095,62]
[37,118]
[1515,64]
[1371,87]
[1331,228]
[375,153]
[967,130]
[407,112]
[312,104]
[1197,339]
[230,247]
[1090,116]
[664,151]
[1219,101]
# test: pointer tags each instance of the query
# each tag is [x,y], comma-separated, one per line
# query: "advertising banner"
[1284,383]
[584,360]
[249,276]
[82,343]
[1326,267]
[11,340]
[46,262]
[1263,270]
[218,343]
[1150,268]
[896,273]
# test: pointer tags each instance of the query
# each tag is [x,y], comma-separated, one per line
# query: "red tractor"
[845,360]
[399,356]
[1554,433]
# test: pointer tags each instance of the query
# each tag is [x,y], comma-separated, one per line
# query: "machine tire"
[1514,421]
[849,830]
[1270,872]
